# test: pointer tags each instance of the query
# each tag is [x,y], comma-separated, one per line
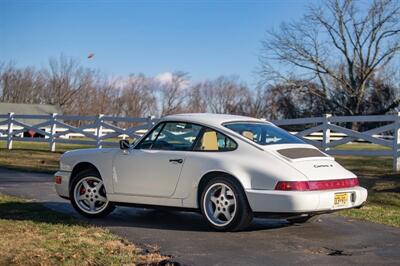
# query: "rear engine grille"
[296,153]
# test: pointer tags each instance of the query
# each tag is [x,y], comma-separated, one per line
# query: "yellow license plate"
[341,200]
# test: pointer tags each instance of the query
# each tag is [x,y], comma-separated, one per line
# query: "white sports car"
[230,168]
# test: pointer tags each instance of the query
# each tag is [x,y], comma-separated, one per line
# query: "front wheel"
[88,195]
[224,205]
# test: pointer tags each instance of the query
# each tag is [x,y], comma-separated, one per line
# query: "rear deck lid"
[311,162]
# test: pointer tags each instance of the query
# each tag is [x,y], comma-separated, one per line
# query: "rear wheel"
[88,195]
[225,206]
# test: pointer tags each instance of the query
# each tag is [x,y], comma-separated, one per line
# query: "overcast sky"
[204,38]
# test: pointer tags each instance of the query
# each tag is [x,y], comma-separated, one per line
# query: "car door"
[153,167]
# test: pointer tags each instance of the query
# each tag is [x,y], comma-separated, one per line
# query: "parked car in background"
[230,168]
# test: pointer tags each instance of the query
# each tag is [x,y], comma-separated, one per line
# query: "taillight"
[292,185]
[333,184]
[58,179]
[316,185]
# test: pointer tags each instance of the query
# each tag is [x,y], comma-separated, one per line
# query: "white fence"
[96,130]
[99,130]
[387,135]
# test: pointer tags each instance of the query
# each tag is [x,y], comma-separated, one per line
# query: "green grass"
[31,234]
[33,156]
[375,173]
[36,156]
[361,146]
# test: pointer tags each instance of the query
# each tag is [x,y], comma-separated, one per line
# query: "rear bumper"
[63,188]
[273,201]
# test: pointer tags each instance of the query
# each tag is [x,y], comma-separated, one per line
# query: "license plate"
[341,200]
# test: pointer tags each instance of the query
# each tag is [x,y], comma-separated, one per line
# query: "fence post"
[326,132]
[53,128]
[10,131]
[396,142]
[99,130]
[150,122]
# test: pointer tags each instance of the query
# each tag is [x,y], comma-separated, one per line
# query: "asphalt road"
[332,240]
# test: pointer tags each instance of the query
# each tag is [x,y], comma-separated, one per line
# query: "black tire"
[104,210]
[303,219]
[242,216]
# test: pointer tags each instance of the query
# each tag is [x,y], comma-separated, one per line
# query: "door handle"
[176,160]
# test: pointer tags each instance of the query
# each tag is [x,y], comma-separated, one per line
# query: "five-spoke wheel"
[88,195]
[224,205]
[220,204]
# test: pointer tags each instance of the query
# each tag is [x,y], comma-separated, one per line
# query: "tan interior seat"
[209,141]
[248,134]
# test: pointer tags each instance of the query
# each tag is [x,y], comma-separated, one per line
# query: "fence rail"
[325,132]
[387,135]
[54,129]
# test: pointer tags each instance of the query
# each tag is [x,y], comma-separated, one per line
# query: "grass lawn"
[375,173]
[33,156]
[383,204]
[361,146]
[31,234]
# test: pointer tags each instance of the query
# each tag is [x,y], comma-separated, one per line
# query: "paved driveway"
[331,240]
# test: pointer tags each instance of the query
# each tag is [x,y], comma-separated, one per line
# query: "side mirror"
[124,144]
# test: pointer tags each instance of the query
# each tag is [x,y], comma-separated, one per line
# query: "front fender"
[101,159]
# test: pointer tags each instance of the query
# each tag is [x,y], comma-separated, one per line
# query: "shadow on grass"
[28,169]
[33,211]
[375,174]
[390,190]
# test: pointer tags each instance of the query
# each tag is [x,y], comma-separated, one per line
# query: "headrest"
[248,134]
[209,141]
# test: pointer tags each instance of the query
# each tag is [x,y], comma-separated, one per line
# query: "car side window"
[149,140]
[211,140]
[176,136]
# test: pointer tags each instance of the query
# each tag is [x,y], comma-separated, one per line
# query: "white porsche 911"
[231,168]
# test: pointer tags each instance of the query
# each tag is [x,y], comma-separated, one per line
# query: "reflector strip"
[58,179]
[316,185]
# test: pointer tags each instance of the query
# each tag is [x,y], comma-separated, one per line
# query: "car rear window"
[263,133]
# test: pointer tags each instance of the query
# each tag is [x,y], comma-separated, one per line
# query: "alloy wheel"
[90,195]
[220,204]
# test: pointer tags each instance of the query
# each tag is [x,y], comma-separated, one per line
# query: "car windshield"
[263,133]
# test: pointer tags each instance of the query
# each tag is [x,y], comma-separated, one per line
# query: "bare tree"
[386,88]
[196,102]
[259,106]
[137,97]
[341,46]
[20,85]
[98,97]
[285,101]
[172,93]
[226,95]
[65,79]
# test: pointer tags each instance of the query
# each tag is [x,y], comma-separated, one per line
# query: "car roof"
[209,118]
